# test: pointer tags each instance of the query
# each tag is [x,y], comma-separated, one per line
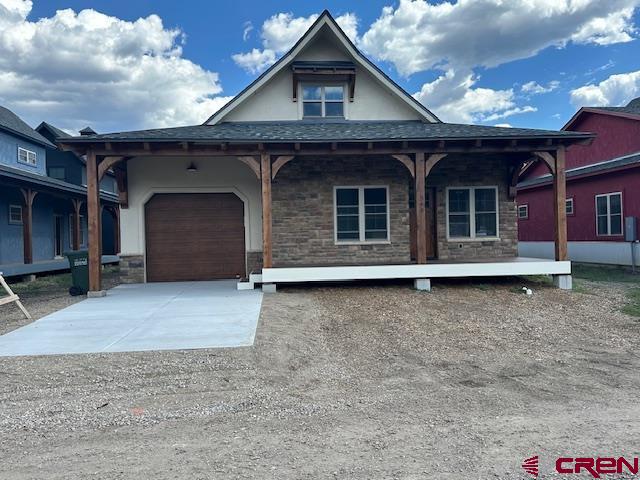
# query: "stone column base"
[132,268]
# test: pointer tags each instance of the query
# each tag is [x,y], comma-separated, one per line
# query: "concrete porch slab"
[140,317]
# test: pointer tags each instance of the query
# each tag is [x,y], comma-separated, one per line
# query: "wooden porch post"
[560,212]
[265,173]
[116,229]
[94,221]
[421,221]
[76,241]
[27,224]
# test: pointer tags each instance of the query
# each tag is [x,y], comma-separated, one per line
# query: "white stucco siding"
[151,175]
[274,100]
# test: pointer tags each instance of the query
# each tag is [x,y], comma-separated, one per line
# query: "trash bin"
[79,264]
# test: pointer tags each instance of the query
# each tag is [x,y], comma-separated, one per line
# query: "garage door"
[194,237]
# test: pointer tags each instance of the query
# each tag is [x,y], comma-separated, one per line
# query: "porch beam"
[548,160]
[93,219]
[267,248]
[421,220]
[28,196]
[432,161]
[514,176]
[560,212]
[108,163]
[76,241]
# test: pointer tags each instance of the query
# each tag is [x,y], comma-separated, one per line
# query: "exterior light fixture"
[192,168]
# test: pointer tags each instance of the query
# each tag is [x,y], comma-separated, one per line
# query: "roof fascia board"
[583,110]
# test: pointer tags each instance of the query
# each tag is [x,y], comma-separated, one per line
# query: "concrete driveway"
[153,316]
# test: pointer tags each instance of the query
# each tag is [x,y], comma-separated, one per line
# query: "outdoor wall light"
[192,168]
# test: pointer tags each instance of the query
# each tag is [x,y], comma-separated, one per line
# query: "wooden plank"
[267,248]
[12,297]
[252,163]
[107,163]
[94,221]
[279,163]
[406,161]
[421,223]
[560,212]
[122,181]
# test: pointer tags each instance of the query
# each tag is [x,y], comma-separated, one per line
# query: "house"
[42,200]
[602,190]
[322,169]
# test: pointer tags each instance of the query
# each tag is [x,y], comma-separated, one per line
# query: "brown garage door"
[194,237]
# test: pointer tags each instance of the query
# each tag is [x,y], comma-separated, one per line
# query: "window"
[609,214]
[322,101]
[472,212]
[569,206]
[83,231]
[15,215]
[58,173]
[523,212]
[26,156]
[362,214]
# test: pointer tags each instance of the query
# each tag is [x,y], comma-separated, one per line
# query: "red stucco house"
[603,187]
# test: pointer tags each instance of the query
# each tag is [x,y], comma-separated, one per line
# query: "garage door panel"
[194,237]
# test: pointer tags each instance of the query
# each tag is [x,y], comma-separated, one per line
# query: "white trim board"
[519,266]
[604,252]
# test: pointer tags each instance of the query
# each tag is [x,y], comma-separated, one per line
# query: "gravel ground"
[359,382]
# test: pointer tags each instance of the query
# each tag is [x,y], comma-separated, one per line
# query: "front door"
[57,235]
[430,214]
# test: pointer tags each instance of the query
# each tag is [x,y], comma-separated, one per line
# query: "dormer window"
[26,156]
[320,101]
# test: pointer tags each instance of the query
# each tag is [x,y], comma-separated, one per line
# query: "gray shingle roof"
[617,162]
[633,108]
[322,131]
[11,123]
[55,131]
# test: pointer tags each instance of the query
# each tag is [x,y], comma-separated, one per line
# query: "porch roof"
[308,131]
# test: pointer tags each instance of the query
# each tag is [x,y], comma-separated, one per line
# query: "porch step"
[251,284]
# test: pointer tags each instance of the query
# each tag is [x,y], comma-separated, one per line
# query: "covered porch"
[417,149]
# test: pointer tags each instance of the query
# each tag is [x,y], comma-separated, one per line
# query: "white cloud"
[503,125]
[418,35]
[534,88]
[614,91]
[454,98]
[75,69]
[280,32]
[246,32]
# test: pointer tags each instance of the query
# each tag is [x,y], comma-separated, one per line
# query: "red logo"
[530,465]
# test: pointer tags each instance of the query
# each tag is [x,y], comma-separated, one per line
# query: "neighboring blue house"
[43,200]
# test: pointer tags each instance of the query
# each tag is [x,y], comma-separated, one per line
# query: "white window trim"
[361,216]
[573,211]
[472,214]
[83,234]
[608,197]
[301,101]
[525,206]
[28,153]
[11,222]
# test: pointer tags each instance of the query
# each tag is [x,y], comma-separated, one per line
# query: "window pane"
[312,109]
[311,92]
[615,204]
[348,223]
[57,172]
[375,208]
[22,155]
[485,199]
[601,203]
[458,201]
[347,196]
[602,225]
[459,225]
[523,211]
[616,225]
[486,225]
[333,93]
[375,196]
[334,109]
[569,206]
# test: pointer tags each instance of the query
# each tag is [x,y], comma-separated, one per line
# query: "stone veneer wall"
[303,211]
[472,171]
[132,268]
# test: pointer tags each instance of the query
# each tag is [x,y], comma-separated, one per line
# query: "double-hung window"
[362,214]
[83,231]
[609,214]
[472,212]
[320,101]
[523,211]
[26,156]
[569,206]
[15,215]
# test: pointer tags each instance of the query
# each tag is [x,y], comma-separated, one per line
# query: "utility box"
[630,229]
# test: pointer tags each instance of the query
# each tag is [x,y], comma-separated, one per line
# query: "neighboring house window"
[569,206]
[322,101]
[609,214]
[26,156]
[523,211]
[58,173]
[362,214]
[15,214]
[83,231]
[472,212]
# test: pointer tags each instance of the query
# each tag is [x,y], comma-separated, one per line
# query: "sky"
[124,65]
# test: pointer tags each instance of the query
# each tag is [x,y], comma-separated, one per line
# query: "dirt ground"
[359,382]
